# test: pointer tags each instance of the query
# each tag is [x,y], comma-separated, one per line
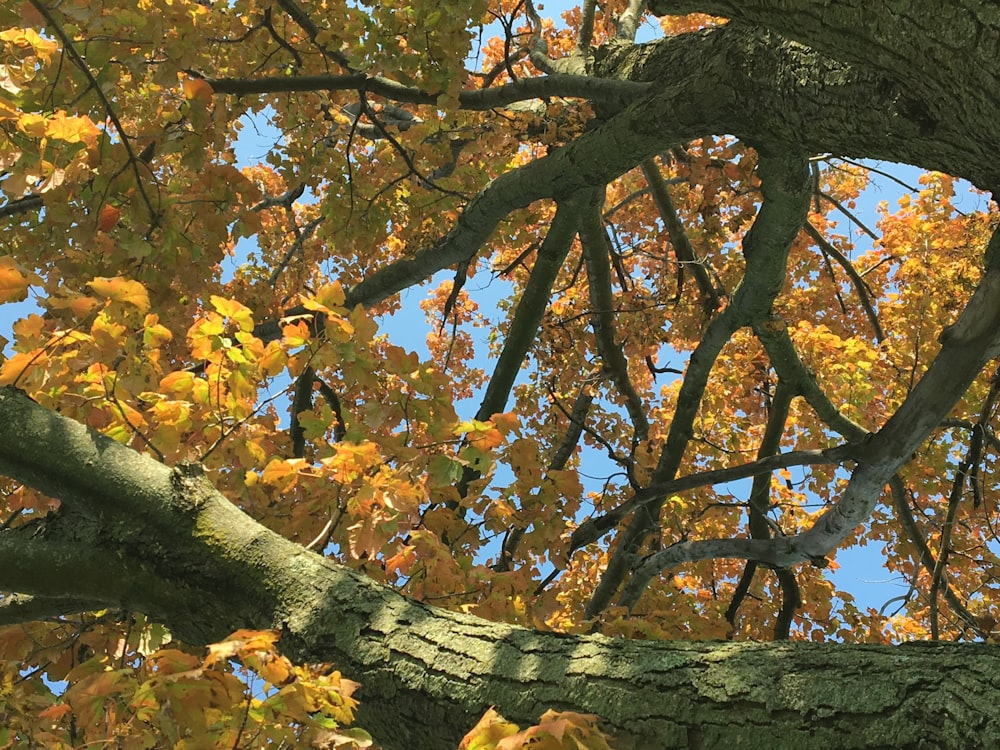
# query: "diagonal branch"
[533,303]
[966,346]
[679,238]
[595,252]
[530,310]
[864,295]
[44,560]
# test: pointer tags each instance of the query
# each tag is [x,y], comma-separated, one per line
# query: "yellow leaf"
[488,732]
[13,284]
[28,37]
[75,129]
[177,382]
[120,289]
[281,473]
[327,297]
[239,314]
[273,360]
[32,125]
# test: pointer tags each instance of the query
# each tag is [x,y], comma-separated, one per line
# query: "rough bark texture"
[904,81]
[429,674]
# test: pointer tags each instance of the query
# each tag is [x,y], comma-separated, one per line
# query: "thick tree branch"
[18,608]
[48,564]
[429,674]
[727,80]
[916,42]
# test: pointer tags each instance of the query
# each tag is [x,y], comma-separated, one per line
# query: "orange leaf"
[56,712]
[198,89]
[108,218]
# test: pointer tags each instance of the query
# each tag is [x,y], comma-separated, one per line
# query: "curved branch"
[924,554]
[595,252]
[726,80]
[773,336]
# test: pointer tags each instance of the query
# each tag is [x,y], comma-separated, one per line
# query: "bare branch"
[606,91]
[594,528]
[98,90]
[966,346]
[864,295]
[595,252]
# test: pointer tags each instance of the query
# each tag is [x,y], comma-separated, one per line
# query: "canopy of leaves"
[668,370]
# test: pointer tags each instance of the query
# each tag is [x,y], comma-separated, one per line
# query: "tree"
[217,445]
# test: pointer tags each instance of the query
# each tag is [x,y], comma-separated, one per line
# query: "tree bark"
[144,536]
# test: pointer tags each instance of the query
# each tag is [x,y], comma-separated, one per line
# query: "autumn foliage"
[202,252]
